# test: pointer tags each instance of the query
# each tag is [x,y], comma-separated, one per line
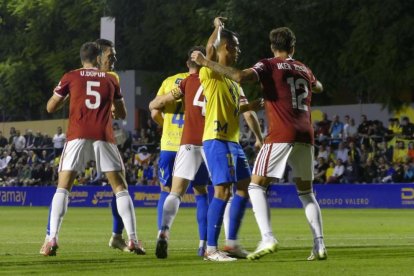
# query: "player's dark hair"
[191,63]
[227,35]
[282,39]
[103,44]
[88,52]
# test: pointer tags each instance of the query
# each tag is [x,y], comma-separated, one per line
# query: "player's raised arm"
[214,39]
[240,76]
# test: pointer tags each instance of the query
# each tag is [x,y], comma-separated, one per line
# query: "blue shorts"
[226,161]
[166,166]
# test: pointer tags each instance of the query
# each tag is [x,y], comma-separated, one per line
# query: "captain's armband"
[176,93]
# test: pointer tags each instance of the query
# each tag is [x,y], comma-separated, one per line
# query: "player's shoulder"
[177,78]
[113,75]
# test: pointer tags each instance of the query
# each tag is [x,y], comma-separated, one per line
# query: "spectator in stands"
[148,174]
[10,175]
[322,152]
[143,136]
[44,157]
[29,139]
[387,173]
[12,135]
[398,175]
[410,151]
[369,172]
[37,174]
[59,140]
[320,171]
[407,128]
[364,154]
[142,157]
[19,142]
[38,140]
[4,160]
[385,151]
[336,129]
[394,126]
[400,153]
[351,171]
[350,130]
[377,131]
[263,127]
[322,128]
[246,137]
[341,152]
[354,152]
[47,142]
[48,175]
[408,173]
[3,140]
[14,158]
[337,174]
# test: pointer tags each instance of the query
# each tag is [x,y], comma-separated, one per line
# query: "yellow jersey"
[172,128]
[222,106]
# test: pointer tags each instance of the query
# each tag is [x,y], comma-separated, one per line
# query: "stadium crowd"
[344,153]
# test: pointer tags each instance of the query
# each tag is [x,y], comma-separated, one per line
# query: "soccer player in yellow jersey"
[226,160]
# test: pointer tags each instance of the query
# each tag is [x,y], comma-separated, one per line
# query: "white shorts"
[188,161]
[272,159]
[76,153]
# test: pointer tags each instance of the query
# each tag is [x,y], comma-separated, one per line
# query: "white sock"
[127,212]
[202,243]
[313,213]
[211,249]
[170,209]
[59,207]
[261,210]
[226,218]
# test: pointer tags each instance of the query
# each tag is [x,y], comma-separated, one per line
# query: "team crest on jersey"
[177,81]
[187,147]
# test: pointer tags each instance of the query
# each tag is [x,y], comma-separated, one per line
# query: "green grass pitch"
[359,242]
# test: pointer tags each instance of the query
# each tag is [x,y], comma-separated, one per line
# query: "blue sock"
[48,221]
[237,208]
[163,196]
[215,220]
[117,224]
[202,209]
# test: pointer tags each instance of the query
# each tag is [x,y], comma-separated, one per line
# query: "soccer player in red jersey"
[189,164]
[95,97]
[287,85]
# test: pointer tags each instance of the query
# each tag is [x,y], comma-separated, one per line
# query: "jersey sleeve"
[162,89]
[312,78]
[62,89]
[115,79]
[262,69]
[182,85]
[206,73]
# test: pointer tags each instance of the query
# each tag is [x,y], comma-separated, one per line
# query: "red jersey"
[287,91]
[91,95]
[194,108]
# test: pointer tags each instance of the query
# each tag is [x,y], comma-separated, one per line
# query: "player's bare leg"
[236,214]
[126,209]
[261,210]
[58,210]
[314,217]
[170,210]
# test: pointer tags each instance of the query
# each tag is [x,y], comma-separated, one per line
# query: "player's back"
[194,108]
[287,86]
[172,128]
[92,93]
